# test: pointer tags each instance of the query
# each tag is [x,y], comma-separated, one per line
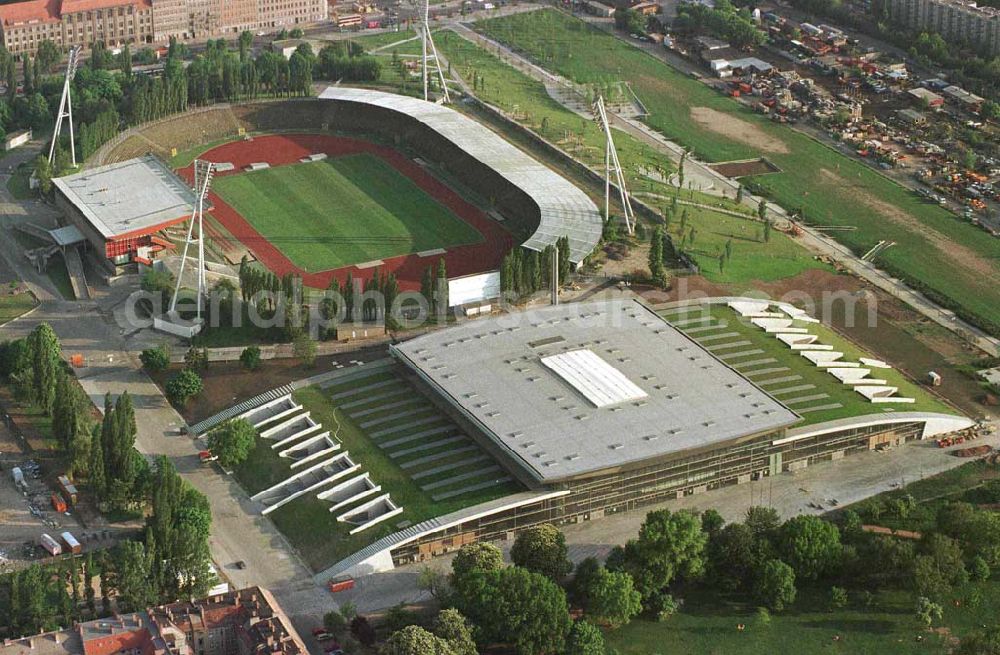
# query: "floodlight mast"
[66,106]
[429,51]
[203,173]
[612,165]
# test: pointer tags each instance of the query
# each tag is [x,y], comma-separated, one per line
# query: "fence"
[284,350]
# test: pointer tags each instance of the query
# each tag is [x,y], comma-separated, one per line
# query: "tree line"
[523,272]
[168,562]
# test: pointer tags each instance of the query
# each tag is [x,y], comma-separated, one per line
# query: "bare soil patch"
[228,383]
[737,169]
[737,129]
[960,255]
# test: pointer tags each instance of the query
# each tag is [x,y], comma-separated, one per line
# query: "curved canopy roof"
[564,209]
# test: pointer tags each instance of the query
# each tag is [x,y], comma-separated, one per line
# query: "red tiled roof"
[46,11]
[50,11]
[122,641]
[74,6]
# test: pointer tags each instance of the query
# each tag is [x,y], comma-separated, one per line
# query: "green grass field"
[527,98]
[342,211]
[13,306]
[851,403]
[934,248]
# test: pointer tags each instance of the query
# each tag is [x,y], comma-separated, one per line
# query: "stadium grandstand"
[603,407]
[480,159]
[120,207]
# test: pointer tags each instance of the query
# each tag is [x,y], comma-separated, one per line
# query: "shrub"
[250,358]
[155,359]
[184,386]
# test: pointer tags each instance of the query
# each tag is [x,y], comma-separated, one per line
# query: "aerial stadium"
[345,183]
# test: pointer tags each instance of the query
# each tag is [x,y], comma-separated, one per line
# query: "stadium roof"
[134,196]
[564,209]
[642,390]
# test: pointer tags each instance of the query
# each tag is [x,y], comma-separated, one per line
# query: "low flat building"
[120,207]
[923,95]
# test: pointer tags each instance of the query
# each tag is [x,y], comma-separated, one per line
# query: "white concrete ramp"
[74,266]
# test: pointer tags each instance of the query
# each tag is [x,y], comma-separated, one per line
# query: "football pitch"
[342,211]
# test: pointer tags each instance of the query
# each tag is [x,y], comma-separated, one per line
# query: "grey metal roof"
[564,209]
[491,370]
[128,196]
[67,235]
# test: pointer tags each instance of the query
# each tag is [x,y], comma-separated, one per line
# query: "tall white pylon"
[203,171]
[66,106]
[428,52]
[611,165]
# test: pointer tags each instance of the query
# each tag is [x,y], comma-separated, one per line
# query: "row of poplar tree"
[523,272]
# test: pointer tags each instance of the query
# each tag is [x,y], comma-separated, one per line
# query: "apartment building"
[23,25]
[954,20]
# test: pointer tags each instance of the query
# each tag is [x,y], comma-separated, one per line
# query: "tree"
[481,556]
[363,631]
[838,598]
[250,358]
[775,587]
[735,554]
[712,522]
[669,544]
[762,209]
[517,607]
[611,597]
[656,269]
[585,639]
[304,348]
[184,386]
[451,626]
[66,410]
[986,642]
[335,623]
[928,611]
[542,549]
[155,359]
[232,443]
[442,287]
[414,640]
[45,359]
[810,545]
[131,570]
[47,55]
[43,172]
[979,569]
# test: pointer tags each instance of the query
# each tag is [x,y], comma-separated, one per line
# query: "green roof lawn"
[852,403]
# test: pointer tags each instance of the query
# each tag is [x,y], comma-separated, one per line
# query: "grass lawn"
[342,211]
[327,541]
[935,248]
[527,98]
[372,41]
[852,403]
[13,306]
[752,258]
[706,625]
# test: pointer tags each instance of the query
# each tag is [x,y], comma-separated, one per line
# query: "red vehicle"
[341,584]
[206,456]
[58,504]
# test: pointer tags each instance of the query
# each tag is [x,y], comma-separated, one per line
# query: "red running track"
[279,150]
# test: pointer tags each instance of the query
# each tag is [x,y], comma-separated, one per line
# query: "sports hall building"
[606,407]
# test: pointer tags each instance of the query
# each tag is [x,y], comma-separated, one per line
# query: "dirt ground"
[737,129]
[745,168]
[228,383]
[898,334]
